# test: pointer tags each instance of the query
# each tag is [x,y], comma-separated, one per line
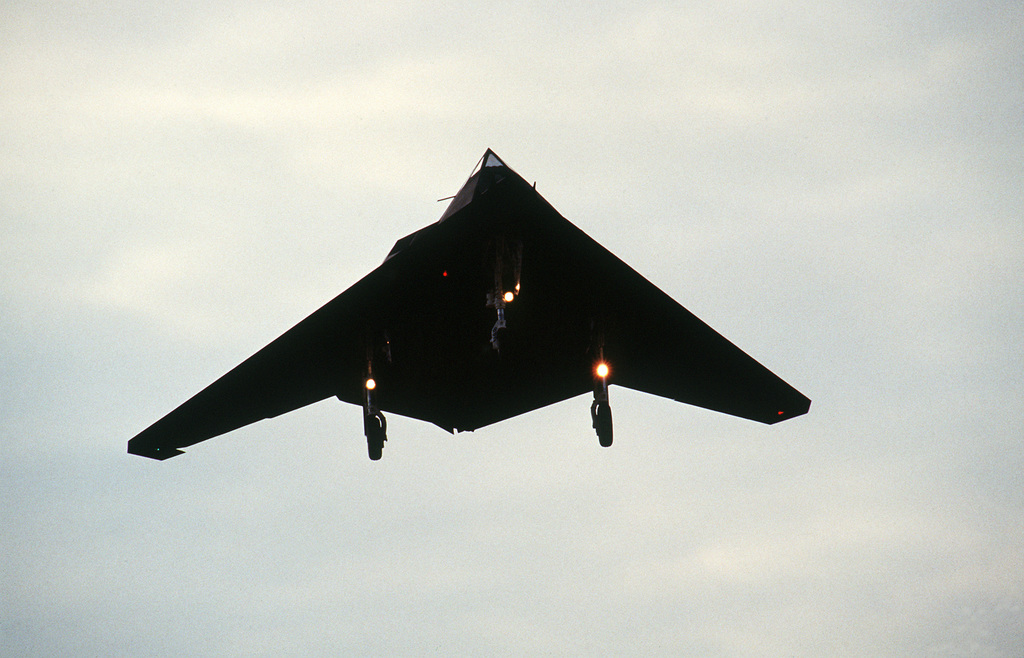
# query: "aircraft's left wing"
[665,350]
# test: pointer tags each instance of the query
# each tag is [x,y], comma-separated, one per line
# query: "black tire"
[503,345]
[603,424]
[375,449]
[375,436]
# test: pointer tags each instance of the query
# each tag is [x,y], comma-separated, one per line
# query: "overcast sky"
[835,187]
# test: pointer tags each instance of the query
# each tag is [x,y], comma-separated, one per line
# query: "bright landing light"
[602,370]
[371,384]
[509,296]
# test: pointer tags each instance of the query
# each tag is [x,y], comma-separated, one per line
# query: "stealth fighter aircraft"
[500,307]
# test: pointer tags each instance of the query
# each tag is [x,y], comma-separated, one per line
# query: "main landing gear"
[375,426]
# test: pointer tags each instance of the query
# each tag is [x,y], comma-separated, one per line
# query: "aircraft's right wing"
[299,368]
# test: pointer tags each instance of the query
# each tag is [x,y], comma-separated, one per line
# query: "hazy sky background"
[836,187]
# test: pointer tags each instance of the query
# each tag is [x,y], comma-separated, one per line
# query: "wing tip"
[792,412]
[159,453]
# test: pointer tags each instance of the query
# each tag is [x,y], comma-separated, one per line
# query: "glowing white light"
[602,370]
[371,384]
[509,296]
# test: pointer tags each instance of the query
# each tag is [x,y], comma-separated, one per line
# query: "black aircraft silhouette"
[500,307]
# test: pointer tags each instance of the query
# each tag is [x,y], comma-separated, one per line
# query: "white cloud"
[836,188]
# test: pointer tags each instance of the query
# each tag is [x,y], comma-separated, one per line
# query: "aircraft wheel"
[375,448]
[375,436]
[502,343]
[603,423]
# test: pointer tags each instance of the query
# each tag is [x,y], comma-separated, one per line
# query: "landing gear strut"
[600,410]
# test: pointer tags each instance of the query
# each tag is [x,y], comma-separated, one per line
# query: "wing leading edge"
[420,326]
